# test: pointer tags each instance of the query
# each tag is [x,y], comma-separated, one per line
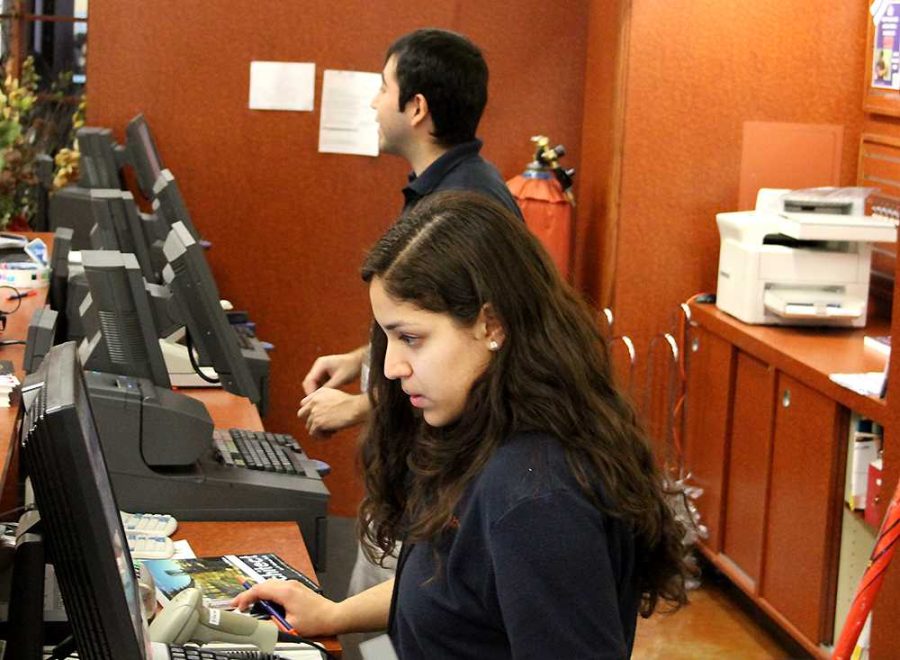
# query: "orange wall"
[696,72]
[290,226]
[601,147]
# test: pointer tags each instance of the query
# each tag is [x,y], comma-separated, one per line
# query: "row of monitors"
[134,309]
[102,160]
[123,316]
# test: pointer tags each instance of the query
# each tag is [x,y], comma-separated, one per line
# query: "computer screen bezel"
[196,296]
[98,349]
[85,539]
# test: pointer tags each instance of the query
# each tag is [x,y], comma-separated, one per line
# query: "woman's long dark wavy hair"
[452,254]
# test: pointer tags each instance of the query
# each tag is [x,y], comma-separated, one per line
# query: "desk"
[227,410]
[212,539]
[766,436]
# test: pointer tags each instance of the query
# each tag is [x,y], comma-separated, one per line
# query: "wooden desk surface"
[808,354]
[212,539]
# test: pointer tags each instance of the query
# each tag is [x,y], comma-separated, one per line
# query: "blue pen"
[280,621]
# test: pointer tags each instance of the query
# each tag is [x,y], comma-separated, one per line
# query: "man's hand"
[334,370]
[328,410]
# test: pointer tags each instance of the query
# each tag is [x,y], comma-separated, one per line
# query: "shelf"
[808,354]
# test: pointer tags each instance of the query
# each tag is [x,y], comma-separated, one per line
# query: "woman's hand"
[310,614]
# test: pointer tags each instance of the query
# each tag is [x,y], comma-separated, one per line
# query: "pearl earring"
[493,345]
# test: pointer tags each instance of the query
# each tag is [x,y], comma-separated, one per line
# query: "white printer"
[801,258]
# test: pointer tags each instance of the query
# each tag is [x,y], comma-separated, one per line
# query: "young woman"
[531,512]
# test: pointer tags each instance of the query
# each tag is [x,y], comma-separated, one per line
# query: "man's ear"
[490,327]
[418,104]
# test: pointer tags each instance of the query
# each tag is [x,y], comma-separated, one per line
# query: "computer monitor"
[141,152]
[83,532]
[41,337]
[117,226]
[168,204]
[71,207]
[59,267]
[197,299]
[120,333]
[98,165]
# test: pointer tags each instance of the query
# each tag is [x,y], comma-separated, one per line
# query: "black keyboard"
[260,450]
[244,336]
[196,653]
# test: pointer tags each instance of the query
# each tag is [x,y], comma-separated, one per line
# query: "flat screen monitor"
[71,207]
[83,532]
[143,155]
[120,333]
[195,294]
[41,337]
[117,226]
[59,280]
[98,166]
[168,204]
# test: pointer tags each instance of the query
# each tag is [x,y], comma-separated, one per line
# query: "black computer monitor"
[120,334]
[98,166]
[168,204]
[59,267]
[118,226]
[141,152]
[41,337]
[83,532]
[71,207]
[197,299]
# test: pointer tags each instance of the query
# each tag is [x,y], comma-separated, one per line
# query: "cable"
[193,359]
[64,649]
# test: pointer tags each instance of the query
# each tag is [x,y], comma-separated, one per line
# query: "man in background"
[433,92]
[432,96]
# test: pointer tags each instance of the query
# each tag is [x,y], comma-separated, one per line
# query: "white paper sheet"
[282,86]
[347,124]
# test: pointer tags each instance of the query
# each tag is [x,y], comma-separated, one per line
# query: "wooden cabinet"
[707,406]
[802,528]
[766,437]
[748,469]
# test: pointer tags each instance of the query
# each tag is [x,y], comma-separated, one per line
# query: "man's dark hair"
[450,72]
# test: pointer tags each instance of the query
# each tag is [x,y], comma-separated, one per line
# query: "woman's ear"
[491,327]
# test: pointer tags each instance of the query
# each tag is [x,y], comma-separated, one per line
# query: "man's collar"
[425,183]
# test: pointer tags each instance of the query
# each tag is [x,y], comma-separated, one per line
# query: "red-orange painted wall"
[696,72]
[290,226]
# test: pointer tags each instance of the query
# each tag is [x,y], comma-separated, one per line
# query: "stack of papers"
[868,384]
[8,385]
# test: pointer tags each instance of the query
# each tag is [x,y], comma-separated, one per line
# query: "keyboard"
[197,653]
[260,450]
[245,335]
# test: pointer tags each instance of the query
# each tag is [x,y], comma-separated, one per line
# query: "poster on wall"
[886,45]
[882,93]
[885,72]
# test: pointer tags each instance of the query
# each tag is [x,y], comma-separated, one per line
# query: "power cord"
[196,367]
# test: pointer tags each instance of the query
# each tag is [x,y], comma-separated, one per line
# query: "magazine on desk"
[219,579]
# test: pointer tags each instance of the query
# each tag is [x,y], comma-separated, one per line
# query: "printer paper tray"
[811,304]
[827,227]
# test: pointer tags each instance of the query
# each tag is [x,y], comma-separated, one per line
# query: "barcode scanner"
[185,619]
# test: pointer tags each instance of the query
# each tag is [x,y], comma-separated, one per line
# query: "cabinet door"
[709,374]
[804,505]
[748,467]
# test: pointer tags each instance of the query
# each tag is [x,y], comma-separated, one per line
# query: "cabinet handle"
[786,399]
[695,344]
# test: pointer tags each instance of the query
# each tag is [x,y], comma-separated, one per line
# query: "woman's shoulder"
[527,465]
